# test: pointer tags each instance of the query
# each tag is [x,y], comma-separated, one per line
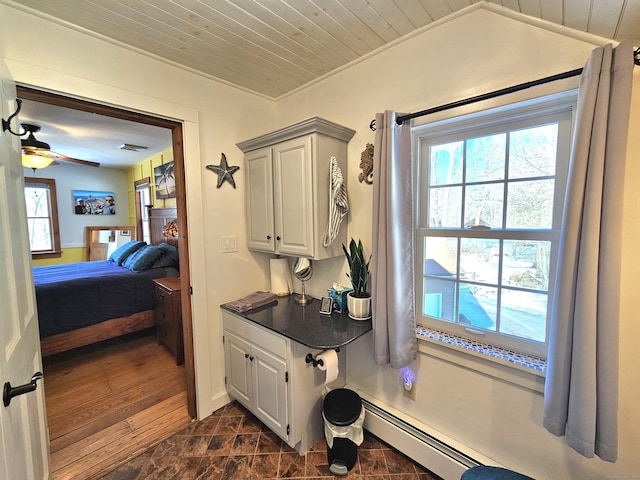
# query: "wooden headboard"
[158,218]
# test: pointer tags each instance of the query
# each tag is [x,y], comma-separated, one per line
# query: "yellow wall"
[142,170]
[69,255]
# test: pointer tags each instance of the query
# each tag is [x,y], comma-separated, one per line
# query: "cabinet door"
[270,390]
[260,214]
[238,368]
[293,187]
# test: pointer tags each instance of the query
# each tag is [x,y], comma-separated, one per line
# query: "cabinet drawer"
[256,334]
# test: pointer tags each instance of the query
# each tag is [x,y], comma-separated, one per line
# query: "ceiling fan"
[37,154]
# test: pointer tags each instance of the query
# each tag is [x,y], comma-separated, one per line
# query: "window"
[42,216]
[143,203]
[490,195]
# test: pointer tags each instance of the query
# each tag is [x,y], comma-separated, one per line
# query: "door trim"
[183,241]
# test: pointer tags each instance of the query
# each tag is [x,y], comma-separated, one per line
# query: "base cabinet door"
[256,372]
[270,377]
[238,368]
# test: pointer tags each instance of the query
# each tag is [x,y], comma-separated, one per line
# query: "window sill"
[51,254]
[520,369]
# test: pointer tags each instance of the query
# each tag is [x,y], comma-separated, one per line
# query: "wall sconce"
[6,124]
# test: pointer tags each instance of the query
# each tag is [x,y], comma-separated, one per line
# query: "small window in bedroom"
[42,217]
[491,190]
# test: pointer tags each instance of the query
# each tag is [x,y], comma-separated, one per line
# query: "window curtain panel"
[392,285]
[581,387]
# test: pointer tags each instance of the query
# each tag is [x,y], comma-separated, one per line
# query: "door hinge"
[288,429]
[222,338]
[225,379]
[286,377]
[190,290]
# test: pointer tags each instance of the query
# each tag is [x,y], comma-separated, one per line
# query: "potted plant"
[358,300]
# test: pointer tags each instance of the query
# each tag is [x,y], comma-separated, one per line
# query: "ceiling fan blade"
[64,158]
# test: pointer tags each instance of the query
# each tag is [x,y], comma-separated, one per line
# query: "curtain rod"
[484,96]
[496,93]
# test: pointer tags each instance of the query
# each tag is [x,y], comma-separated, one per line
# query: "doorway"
[175,128]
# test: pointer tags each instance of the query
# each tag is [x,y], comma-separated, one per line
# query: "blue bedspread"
[76,295]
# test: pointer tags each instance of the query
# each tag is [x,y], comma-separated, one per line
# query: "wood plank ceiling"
[275,46]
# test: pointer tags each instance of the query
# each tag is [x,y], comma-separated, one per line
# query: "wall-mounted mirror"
[102,241]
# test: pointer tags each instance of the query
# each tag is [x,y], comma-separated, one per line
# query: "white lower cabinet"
[267,373]
[257,378]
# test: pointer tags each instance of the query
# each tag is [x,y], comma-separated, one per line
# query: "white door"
[23,434]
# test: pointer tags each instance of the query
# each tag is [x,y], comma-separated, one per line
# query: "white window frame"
[561,106]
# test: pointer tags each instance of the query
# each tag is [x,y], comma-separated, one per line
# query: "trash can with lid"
[343,415]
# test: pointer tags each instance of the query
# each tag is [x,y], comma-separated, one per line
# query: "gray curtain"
[392,292]
[581,389]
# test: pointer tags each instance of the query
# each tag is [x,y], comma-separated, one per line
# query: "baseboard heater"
[430,452]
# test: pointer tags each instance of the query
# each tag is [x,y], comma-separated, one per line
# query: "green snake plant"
[358,269]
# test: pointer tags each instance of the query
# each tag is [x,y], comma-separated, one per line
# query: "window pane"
[37,200]
[524,314]
[479,260]
[40,234]
[526,264]
[445,164]
[439,299]
[483,205]
[485,158]
[440,267]
[445,207]
[530,204]
[441,257]
[532,152]
[478,306]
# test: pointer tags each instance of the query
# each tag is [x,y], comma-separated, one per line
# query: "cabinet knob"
[268,237]
[251,358]
[246,355]
[278,238]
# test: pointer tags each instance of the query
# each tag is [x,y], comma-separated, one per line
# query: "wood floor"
[109,402]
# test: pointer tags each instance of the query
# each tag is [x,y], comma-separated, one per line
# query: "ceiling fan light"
[32,143]
[36,161]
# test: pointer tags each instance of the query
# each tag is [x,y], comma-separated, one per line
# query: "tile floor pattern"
[233,444]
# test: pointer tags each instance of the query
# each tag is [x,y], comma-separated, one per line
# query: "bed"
[87,302]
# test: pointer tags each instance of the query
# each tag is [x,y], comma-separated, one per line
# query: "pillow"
[143,258]
[169,257]
[123,251]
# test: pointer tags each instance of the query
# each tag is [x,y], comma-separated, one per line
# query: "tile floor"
[233,444]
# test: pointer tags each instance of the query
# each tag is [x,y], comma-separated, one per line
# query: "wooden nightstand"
[168,315]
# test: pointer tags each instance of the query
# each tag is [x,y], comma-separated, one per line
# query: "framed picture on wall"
[165,181]
[90,202]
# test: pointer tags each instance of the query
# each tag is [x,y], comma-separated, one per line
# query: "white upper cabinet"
[288,188]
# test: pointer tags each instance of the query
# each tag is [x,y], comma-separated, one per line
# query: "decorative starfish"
[224,171]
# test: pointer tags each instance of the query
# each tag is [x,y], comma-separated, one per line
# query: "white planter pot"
[359,308]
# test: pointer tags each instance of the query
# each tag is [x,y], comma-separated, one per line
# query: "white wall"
[77,177]
[215,117]
[475,53]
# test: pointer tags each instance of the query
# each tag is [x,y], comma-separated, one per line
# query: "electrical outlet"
[411,393]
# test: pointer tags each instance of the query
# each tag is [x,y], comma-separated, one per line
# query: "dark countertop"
[306,325]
